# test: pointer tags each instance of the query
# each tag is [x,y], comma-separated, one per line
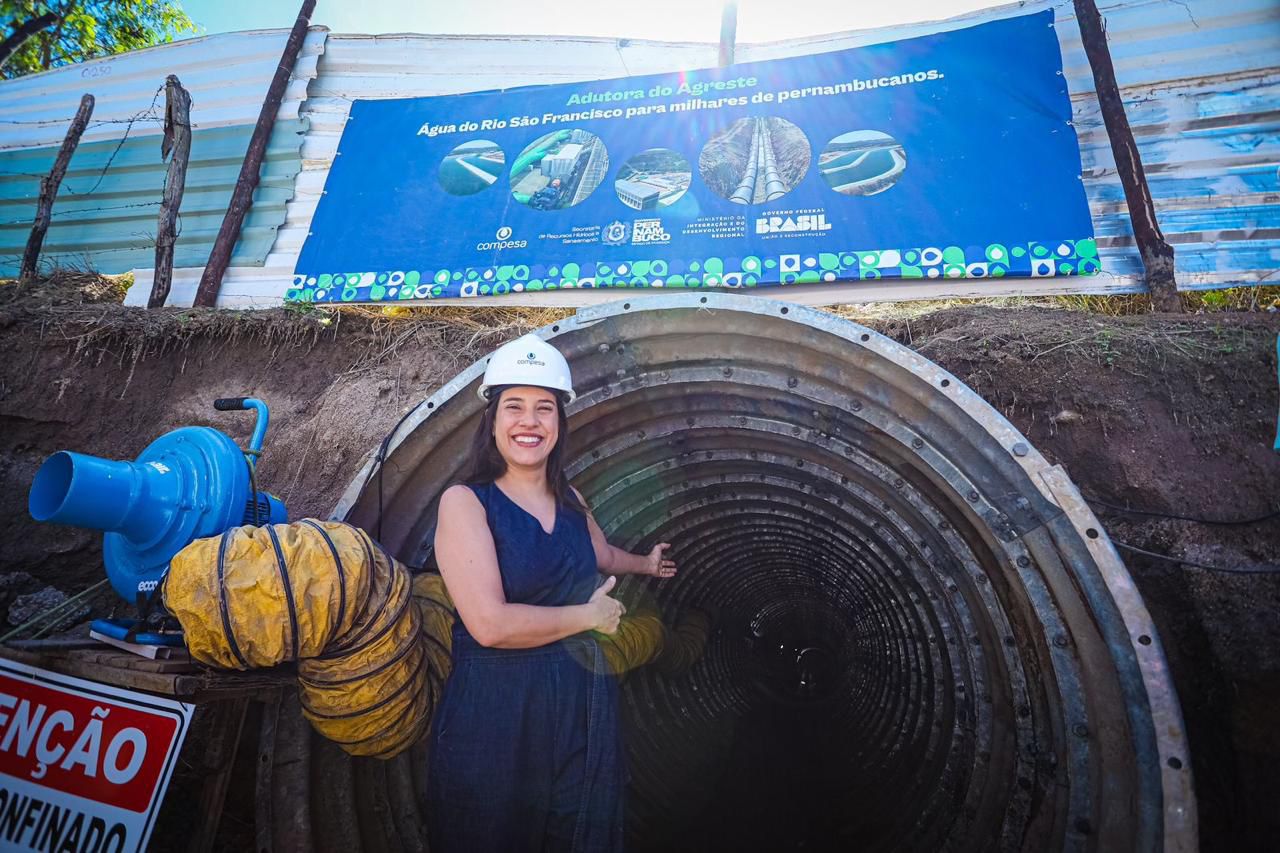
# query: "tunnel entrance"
[921,637]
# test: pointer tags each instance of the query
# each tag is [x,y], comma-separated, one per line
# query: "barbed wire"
[79,210]
[144,115]
[61,121]
[148,112]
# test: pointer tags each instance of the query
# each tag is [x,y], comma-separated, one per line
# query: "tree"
[41,34]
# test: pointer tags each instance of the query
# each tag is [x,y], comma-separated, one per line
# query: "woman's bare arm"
[469,565]
[615,561]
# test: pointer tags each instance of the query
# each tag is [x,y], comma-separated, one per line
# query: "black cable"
[253,489]
[1259,570]
[380,458]
[1228,522]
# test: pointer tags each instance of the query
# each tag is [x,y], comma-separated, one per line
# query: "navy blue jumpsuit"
[525,746]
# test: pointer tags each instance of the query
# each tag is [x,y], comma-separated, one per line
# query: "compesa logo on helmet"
[528,361]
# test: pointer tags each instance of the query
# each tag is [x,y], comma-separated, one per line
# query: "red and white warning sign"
[83,766]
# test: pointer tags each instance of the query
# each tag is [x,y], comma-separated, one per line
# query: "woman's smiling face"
[526,426]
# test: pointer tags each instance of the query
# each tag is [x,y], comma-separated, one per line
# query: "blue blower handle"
[235,404]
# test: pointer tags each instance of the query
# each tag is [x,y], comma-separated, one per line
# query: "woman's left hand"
[659,566]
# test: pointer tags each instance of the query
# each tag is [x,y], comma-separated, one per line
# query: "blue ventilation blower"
[188,484]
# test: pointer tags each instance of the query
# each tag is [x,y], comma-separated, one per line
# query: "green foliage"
[87,29]
[1215,300]
[1105,349]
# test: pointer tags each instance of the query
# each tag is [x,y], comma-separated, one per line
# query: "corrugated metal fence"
[105,215]
[1200,78]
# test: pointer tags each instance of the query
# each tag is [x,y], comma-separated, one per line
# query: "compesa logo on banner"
[502,240]
[649,231]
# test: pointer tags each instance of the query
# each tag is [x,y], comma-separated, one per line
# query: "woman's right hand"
[605,611]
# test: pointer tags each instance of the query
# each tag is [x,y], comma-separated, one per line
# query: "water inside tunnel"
[920,637]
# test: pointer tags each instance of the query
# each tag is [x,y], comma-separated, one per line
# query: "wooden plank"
[291,779]
[125,660]
[216,687]
[219,758]
[263,819]
[90,670]
[191,684]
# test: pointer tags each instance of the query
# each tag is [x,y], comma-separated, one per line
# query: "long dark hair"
[484,463]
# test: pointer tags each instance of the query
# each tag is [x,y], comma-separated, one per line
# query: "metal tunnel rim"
[1164,729]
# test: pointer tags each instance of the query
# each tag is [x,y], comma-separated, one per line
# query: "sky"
[665,20]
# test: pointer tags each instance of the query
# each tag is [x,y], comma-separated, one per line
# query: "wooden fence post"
[247,182]
[1157,254]
[49,188]
[177,140]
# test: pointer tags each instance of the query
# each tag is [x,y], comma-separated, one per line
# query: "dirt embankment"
[1174,415]
[1177,416]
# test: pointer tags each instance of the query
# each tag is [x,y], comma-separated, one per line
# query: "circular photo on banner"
[755,160]
[862,162]
[559,169]
[471,167]
[652,179]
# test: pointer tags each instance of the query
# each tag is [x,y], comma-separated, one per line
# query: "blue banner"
[951,155]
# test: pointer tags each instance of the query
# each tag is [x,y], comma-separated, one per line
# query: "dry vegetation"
[84,309]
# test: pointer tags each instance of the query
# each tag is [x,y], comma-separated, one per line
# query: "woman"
[525,751]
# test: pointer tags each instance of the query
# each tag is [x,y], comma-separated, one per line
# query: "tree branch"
[24,31]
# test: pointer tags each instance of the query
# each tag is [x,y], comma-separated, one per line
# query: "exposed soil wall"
[1175,415]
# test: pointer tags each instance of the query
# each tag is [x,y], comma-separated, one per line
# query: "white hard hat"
[528,361]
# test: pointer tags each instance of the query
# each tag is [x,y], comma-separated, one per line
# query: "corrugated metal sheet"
[1201,84]
[1200,80]
[105,216]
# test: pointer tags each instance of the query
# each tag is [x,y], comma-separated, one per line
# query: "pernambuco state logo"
[649,231]
[615,233]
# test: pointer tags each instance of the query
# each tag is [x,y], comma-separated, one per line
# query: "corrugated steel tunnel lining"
[922,638]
